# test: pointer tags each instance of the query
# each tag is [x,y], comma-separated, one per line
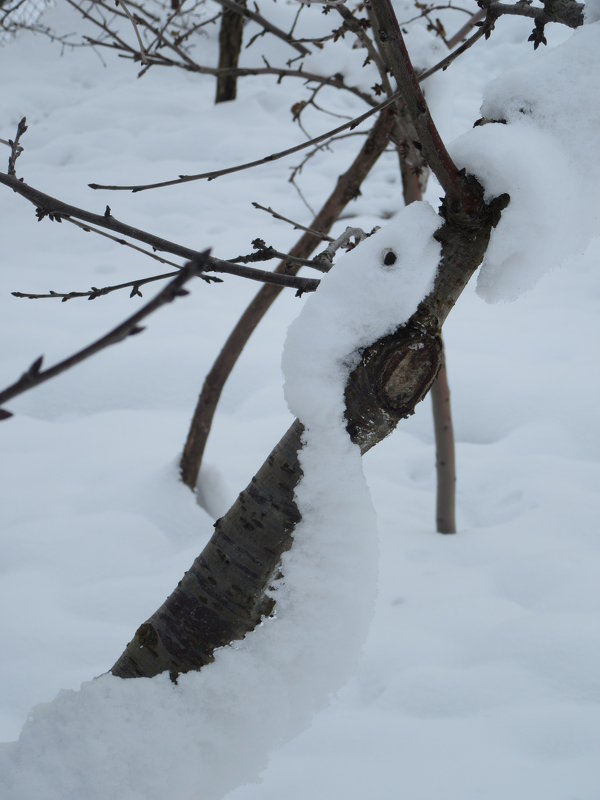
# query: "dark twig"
[257,162]
[484,30]
[264,252]
[267,26]
[56,210]
[162,45]
[123,242]
[461,33]
[15,148]
[428,9]
[125,8]
[392,98]
[296,225]
[567,13]
[95,292]
[34,376]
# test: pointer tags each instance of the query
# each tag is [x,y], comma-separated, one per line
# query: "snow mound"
[544,156]
[147,739]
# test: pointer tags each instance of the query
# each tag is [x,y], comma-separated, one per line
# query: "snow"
[479,676]
[541,157]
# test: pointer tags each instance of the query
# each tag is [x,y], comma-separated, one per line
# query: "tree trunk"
[230,45]
[445,461]
[222,596]
[346,189]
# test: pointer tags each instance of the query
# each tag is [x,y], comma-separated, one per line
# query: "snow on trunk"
[147,739]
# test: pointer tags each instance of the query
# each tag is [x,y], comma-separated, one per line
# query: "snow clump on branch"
[544,155]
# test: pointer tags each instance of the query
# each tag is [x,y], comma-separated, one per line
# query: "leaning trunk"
[225,593]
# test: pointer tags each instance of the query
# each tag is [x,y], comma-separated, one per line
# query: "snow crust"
[544,157]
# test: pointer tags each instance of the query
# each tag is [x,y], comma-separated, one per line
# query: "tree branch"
[296,225]
[15,147]
[244,11]
[34,376]
[56,210]
[347,187]
[257,162]
[398,60]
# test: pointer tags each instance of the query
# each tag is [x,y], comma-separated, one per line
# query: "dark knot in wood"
[393,376]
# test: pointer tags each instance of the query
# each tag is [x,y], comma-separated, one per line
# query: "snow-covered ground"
[480,676]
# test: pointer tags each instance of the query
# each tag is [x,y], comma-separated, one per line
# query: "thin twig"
[429,9]
[34,376]
[461,33]
[267,26]
[213,174]
[296,225]
[15,148]
[56,210]
[257,162]
[143,56]
[265,252]
[124,242]
[484,30]
[95,292]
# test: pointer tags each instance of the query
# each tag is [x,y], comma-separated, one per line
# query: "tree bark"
[230,45]
[445,461]
[346,189]
[225,593]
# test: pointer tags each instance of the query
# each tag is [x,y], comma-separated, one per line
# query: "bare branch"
[123,242]
[123,5]
[56,210]
[428,9]
[264,252]
[565,12]
[433,148]
[344,240]
[257,162]
[484,30]
[267,26]
[468,26]
[34,376]
[96,292]
[15,148]
[296,225]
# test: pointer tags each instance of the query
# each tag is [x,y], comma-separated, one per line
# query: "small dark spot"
[389,258]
